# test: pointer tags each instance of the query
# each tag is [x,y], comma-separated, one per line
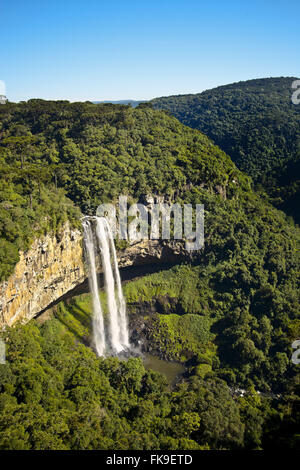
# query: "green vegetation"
[232,314]
[97,152]
[76,314]
[256,123]
[182,337]
[26,213]
[92,153]
[250,321]
[56,394]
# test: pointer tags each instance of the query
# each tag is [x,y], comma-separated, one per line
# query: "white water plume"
[98,323]
[122,317]
[116,336]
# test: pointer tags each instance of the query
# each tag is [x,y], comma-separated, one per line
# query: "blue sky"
[101,49]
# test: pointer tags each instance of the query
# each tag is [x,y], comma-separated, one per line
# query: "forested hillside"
[234,313]
[256,123]
[95,153]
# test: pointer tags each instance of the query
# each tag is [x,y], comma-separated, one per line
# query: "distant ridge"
[256,123]
[133,103]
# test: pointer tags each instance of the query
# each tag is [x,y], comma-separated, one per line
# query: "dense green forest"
[94,152]
[232,314]
[256,123]
[56,394]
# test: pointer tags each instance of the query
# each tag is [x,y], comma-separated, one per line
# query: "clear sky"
[140,49]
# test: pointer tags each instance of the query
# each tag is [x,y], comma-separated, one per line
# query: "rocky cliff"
[54,265]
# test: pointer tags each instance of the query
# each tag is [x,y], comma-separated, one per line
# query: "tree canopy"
[258,125]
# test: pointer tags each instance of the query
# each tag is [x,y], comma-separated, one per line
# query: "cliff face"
[54,265]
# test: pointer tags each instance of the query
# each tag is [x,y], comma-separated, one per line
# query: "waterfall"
[98,239]
[98,323]
[122,317]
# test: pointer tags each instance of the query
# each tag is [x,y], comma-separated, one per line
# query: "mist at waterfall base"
[110,337]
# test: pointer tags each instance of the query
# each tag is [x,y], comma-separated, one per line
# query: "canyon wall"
[51,266]
[54,265]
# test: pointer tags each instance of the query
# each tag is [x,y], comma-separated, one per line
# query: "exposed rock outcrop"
[54,265]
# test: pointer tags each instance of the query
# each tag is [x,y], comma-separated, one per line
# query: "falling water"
[124,333]
[117,337]
[98,324]
[114,327]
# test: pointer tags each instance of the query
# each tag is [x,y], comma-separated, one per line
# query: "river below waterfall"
[173,371]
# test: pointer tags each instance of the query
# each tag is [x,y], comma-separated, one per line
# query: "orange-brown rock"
[54,265]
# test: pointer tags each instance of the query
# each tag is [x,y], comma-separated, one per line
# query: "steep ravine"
[54,265]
